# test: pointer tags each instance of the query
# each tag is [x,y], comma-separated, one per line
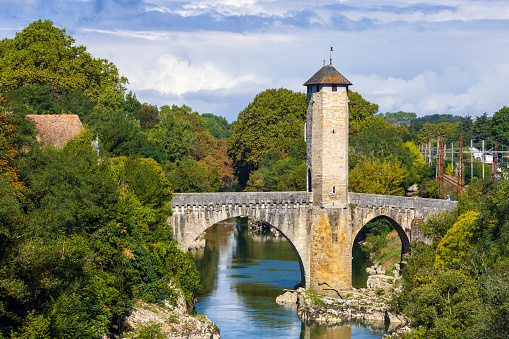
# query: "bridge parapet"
[389,201]
[241,198]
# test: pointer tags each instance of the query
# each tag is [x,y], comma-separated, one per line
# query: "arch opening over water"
[385,237]
[263,223]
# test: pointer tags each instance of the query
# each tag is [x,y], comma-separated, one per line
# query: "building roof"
[327,75]
[56,129]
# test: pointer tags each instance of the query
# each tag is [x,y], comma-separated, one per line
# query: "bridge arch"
[405,241]
[192,217]
[295,249]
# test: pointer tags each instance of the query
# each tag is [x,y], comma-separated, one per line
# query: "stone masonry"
[320,224]
[292,213]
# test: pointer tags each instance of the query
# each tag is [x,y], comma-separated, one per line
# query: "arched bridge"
[292,214]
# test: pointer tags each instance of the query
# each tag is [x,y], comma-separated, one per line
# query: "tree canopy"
[274,120]
[44,54]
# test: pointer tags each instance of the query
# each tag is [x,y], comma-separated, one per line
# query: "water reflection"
[241,276]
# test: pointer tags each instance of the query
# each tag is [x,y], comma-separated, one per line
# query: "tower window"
[333,132]
[333,189]
[334,88]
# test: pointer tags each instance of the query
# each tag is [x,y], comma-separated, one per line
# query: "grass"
[390,255]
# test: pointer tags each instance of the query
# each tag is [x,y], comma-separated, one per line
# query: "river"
[242,274]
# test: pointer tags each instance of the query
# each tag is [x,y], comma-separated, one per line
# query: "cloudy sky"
[447,56]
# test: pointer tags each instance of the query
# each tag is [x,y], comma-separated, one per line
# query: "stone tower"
[327,137]
[327,171]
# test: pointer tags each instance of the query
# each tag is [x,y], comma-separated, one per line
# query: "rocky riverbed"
[368,306]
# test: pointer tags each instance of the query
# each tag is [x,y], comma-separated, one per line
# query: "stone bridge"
[321,223]
[291,214]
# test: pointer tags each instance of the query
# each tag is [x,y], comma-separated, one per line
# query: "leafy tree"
[276,173]
[385,142]
[217,126]
[393,118]
[148,116]
[44,54]
[360,111]
[188,176]
[375,176]
[500,125]
[454,246]
[445,306]
[274,120]
[174,136]
[482,128]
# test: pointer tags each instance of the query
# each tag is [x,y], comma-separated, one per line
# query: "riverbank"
[170,320]
[369,307]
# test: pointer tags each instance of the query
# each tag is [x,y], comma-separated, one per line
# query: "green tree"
[375,176]
[44,54]
[500,125]
[148,116]
[454,246]
[482,127]
[273,120]
[393,118]
[360,112]
[276,173]
[217,126]
[446,306]
[174,137]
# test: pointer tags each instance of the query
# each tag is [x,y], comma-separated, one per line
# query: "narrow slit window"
[333,189]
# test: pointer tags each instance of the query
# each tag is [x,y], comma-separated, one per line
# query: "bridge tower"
[327,179]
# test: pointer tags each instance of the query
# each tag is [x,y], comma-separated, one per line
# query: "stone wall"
[324,250]
[288,212]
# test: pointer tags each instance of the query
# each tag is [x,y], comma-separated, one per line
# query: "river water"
[242,274]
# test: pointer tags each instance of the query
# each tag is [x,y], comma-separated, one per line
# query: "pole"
[471,159]
[441,168]
[483,160]
[495,174]
[452,155]
[460,166]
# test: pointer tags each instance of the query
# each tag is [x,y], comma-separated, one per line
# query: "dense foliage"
[43,54]
[81,238]
[274,120]
[458,287]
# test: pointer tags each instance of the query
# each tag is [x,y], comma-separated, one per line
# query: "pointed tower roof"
[327,75]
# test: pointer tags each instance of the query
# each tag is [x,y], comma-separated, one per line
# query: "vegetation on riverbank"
[458,287]
[81,237]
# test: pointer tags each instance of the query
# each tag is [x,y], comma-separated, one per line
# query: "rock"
[375,269]
[362,306]
[381,281]
[172,324]
[288,298]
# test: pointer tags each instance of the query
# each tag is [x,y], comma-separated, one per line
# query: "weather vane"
[331,55]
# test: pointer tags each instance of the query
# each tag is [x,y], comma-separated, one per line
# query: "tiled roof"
[327,75]
[56,129]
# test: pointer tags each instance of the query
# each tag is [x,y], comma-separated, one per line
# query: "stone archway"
[188,222]
[405,242]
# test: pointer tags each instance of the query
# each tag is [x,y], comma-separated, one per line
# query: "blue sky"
[215,55]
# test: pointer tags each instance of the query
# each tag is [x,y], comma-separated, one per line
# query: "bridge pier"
[331,251]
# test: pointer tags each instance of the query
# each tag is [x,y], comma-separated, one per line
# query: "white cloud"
[428,93]
[175,75]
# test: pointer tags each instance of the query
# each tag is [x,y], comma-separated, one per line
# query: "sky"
[426,57]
